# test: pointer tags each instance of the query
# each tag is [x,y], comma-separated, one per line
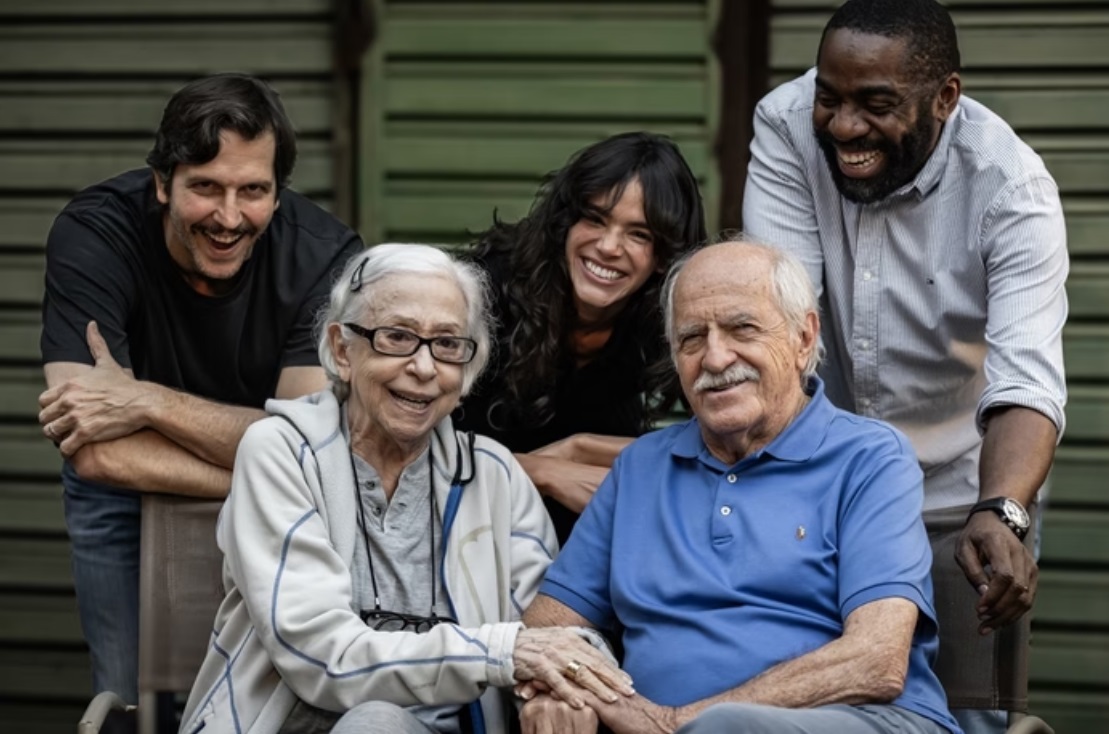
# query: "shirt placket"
[867,300]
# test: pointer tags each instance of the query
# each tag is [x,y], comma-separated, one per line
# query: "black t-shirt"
[106,260]
[604,396]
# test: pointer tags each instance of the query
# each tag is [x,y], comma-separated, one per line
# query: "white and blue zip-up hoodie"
[287,629]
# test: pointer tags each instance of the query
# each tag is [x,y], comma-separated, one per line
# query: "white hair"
[352,295]
[790,288]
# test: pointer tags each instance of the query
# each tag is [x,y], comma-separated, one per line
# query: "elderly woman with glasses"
[377,561]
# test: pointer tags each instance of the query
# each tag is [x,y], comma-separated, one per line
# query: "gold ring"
[573,668]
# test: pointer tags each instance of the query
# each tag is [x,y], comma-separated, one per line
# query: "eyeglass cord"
[366,533]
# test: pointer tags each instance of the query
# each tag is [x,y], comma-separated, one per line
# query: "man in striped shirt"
[936,240]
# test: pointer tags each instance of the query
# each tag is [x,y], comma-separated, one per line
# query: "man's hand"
[101,404]
[637,715]
[549,656]
[545,714]
[1008,587]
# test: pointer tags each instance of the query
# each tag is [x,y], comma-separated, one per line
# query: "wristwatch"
[1011,512]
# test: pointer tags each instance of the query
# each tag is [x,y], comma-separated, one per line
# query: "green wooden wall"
[467,104]
[1044,67]
[82,86]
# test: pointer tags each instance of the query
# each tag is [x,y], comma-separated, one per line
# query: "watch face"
[1015,513]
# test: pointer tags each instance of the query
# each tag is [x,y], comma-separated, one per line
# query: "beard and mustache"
[902,161]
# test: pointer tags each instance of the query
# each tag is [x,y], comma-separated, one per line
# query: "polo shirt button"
[731,479]
[867,275]
[725,510]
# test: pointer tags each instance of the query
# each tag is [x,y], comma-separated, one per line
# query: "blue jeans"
[104,525]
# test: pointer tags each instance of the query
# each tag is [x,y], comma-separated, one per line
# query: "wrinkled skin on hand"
[543,654]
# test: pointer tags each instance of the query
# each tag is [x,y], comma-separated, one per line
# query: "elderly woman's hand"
[564,662]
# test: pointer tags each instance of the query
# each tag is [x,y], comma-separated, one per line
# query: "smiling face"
[610,254]
[395,402]
[739,363]
[216,211]
[876,123]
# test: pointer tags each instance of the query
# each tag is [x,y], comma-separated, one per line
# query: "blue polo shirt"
[720,572]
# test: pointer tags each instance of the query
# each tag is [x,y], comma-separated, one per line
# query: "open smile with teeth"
[412,401]
[859,160]
[600,271]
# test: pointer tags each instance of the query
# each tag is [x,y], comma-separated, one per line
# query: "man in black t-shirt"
[178,299]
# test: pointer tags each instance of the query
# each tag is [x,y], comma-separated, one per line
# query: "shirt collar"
[798,442]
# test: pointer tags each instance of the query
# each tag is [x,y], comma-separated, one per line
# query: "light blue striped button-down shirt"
[939,302]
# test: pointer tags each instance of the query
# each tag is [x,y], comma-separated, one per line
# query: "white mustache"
[734,375]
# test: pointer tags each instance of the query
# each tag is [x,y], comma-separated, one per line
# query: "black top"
[604,396]
[107,260]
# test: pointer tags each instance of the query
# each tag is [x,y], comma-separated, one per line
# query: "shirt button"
[731,480]
[864,402]
[725,510]
[867,275]
[863,344]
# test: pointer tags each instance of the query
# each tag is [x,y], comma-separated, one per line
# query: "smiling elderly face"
[399,400]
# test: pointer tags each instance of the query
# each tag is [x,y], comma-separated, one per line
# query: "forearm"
[1017,452]
[595,449]
[148,461]
[211,431]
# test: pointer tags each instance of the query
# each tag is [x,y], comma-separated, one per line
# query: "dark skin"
[1017,452]
[867,94]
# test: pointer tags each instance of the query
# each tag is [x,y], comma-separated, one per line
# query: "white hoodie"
[288,628]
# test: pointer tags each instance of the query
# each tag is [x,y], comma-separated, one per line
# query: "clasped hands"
[569,686]
[100,404]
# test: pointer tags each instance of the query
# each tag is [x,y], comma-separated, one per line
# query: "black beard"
[902,161]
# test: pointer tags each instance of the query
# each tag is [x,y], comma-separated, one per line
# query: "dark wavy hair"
[196,115]
[538,297]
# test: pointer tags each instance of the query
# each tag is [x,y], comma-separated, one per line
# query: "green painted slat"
[39,618]
[35,563]
[1087,225]
[1046,108]
[597,97]
[1057,40]
[25,452]
[450,216]
[1071,712]
[41,716]
[1086,350]
[1071,597]
[19,335]
[634,33]
[502,156]
[21,279]
[1079,476]
[62,675]
[176,8]
[170,48]
[74,164]
[1088,413]
[19,391]
[26,221]
[119,107]
[31,507]
[1088,291]
[1076,536]
[1074,659]
[1078,171]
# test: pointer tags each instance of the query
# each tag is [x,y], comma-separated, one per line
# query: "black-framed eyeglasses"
[395,342]
[386,621]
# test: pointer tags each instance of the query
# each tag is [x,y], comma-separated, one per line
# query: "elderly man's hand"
[545,714]
[637,715]
[102,404]
[1007,589]
[561,660]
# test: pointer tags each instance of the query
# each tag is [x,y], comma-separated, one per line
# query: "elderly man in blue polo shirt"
[766,559]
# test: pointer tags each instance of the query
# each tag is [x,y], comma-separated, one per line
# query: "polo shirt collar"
[798,442]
